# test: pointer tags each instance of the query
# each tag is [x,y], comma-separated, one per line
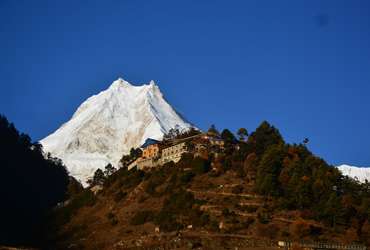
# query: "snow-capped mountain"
[361,174]
[109,124]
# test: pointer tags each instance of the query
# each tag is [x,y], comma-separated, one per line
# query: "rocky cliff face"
[109,124]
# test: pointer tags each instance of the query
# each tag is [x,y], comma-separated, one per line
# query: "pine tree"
[227,136]
[31,185]
[213,131]
[97,179]
[264,137]
[109,170]
[268,171]
[242,133]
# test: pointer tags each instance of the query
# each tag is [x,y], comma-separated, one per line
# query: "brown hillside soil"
[237,217]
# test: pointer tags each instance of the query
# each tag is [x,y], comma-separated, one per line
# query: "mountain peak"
[109,124]
[120,82]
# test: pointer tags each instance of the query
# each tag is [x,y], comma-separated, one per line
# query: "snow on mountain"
[109,124]
[361,174]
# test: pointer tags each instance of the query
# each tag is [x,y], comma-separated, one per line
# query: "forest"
[31,185]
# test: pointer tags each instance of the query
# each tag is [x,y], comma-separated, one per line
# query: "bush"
[237,189]
[227,213]
[142,217]
[250,221]
[213,225]
[157,177]
[264,217]
[200,165]
[112,218]
[179,202]
[251,209]
[198,218]
[187,177]
[119,196]
[186,160]
[300,229]
[83,199]
[167,222]
[268,231]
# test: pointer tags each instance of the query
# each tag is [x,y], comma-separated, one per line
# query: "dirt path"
[223,193]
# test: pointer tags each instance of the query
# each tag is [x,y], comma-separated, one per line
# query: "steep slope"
[361,174]
[109,124]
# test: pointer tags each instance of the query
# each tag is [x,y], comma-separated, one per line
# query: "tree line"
[31,185]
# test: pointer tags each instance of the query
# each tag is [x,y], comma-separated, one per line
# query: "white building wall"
[173,153]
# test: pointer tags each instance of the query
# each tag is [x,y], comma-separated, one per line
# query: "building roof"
[149,142]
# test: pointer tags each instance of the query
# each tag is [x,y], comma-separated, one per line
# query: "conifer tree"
[227,136]
[213,131]
[109,170]
[242,133]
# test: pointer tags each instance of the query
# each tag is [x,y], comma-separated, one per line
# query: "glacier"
[109,124]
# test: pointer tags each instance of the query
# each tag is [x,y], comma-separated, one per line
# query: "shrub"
[213,225]
[142,217]
[186,160]
[167,222]
[269,231]
[264,217]
[200,165]
[150,187]
[112,218]
[179,202]
[227,213]
[187,177]
[214,173]
[251,209]
[249,221]
[119,196]
[300,229]
[156,178]
[237,189]
[83,199]
[198,218]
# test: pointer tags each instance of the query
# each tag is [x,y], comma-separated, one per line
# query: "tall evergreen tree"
[98,178]
[213,131]
[109,170]
[265,136]
[228,136]
[31,185]
[242,133]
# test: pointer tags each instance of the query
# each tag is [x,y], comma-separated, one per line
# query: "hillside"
[246,193]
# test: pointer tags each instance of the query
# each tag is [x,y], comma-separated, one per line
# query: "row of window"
[166,153]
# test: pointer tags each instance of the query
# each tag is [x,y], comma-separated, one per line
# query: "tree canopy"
[31,185]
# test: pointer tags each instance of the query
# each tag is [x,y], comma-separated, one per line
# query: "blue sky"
[302,65]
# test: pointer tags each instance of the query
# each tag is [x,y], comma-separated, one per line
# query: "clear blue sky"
[302,65]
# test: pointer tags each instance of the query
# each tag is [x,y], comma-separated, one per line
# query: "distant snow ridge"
[109,124]
[361,174]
